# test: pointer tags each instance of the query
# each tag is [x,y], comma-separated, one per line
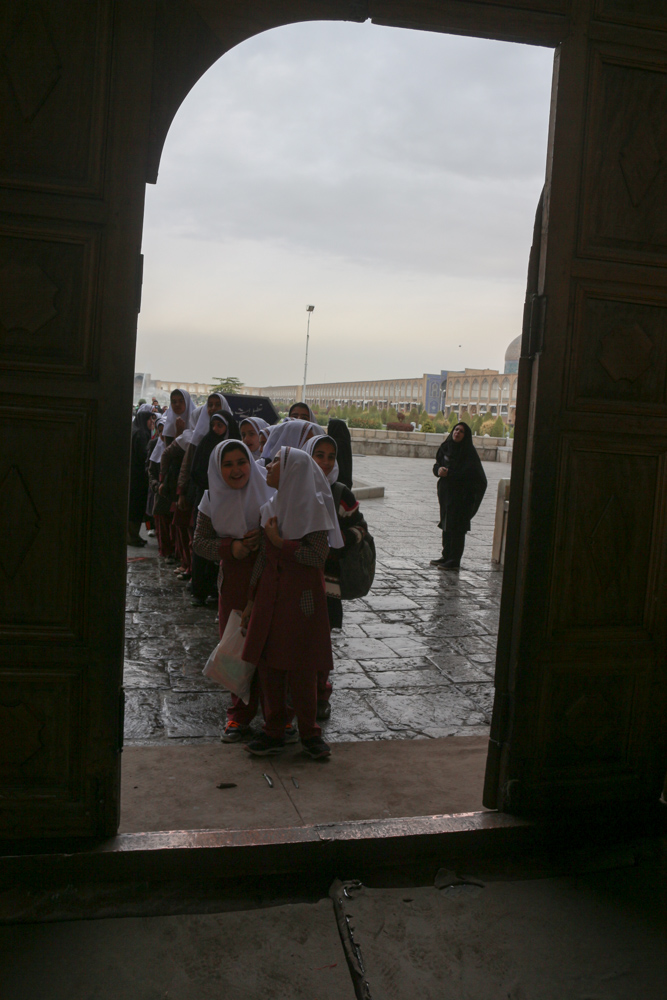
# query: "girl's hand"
[443,471]
[182,504]
[251,540]
[272,533]
[239,549]
[245,617]
[161,489]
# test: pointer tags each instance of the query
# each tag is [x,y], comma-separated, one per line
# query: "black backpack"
[357,564]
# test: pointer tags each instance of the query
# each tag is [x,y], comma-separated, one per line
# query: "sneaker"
[264,745]
[315,747]
[323,711]
[291,734]
[234,731]
[211,601]
[151,533]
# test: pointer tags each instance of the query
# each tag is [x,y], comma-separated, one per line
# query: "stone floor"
[414,659]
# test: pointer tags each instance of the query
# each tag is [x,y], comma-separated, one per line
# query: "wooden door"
[74,99]
[579,716]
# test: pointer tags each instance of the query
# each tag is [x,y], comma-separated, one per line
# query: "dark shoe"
[323,711]
[136,542]
[211,601]
[264,745]
[197,602]
[316,748]
[291,734]
[437,562]
[184,576]
[234,732]
[451,565]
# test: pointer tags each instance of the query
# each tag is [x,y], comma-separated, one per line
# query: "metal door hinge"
[538,315]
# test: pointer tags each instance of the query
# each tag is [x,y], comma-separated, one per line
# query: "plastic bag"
[225,665]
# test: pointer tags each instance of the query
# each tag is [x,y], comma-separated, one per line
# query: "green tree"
[231,384]
[498,429]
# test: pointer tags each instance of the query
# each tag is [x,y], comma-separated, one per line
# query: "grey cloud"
[394,149]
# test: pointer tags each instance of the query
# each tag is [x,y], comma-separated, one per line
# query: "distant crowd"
[255,518]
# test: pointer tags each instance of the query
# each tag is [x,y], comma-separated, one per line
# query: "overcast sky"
[388,177]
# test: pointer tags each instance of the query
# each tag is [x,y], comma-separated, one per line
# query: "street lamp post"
[309,310]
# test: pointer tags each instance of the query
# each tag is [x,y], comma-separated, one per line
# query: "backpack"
[357,564]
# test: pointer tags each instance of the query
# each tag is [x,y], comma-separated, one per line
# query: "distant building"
[401,393]
[485,390]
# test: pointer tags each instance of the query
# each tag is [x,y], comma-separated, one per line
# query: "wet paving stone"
[195,715]
[414,659]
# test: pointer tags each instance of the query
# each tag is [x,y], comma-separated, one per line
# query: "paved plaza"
[414,659]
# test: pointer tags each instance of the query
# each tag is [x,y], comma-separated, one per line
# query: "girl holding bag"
[228,531]
[288,628]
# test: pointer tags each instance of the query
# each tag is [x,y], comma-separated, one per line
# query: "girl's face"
[220,428]
[213,405]
[150,423]
[324,455]
[250,436]
[300,412]
[273,473]
[235,468]
[178,403]
[458,433]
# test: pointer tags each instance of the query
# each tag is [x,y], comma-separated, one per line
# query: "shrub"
[365,420]
[428,427]
[498,428]
[439,426]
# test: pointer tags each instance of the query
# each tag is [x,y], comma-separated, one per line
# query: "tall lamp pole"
[309,310]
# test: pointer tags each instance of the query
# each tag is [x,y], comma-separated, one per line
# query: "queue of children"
[256,517]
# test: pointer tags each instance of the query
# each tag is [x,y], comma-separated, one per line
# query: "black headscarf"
[461,491]
[339,431]
[140,432]
[199,467]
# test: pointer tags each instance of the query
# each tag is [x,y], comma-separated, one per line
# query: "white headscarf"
[313,418]
[156,454]
[309,448]
[290,434]
[233,512]
[303,502]
[259,425]
[170,425]
[202,424]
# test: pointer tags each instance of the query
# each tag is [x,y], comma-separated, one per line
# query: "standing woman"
[461,487]
[340,432]
[142,427]
[228,533]
[204,571]
[288,628]
[161,514]
[251,429]
[180,407]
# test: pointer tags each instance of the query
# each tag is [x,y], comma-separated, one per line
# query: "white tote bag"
[225,665]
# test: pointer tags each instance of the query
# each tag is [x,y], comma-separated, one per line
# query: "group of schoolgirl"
[266,523]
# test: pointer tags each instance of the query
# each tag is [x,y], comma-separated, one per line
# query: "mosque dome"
[512,356]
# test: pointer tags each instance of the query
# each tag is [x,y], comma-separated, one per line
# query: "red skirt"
[236,575]
[289,625]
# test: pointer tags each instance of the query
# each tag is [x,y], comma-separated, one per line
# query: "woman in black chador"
[461,486]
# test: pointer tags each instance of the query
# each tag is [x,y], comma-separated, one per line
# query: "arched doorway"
[87,99]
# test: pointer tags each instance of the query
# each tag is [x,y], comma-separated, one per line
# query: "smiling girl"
[228,532]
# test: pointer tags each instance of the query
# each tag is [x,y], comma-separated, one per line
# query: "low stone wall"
[417,444]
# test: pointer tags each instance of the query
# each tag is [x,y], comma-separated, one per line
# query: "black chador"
[460,492]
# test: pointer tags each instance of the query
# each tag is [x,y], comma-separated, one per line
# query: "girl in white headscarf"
[353,529]
[181,406]
[228,532]
[251,429]
[290,434]
[301,411]
[288,628]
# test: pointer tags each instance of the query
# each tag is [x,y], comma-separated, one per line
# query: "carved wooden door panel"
[579,716]
[72,169]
